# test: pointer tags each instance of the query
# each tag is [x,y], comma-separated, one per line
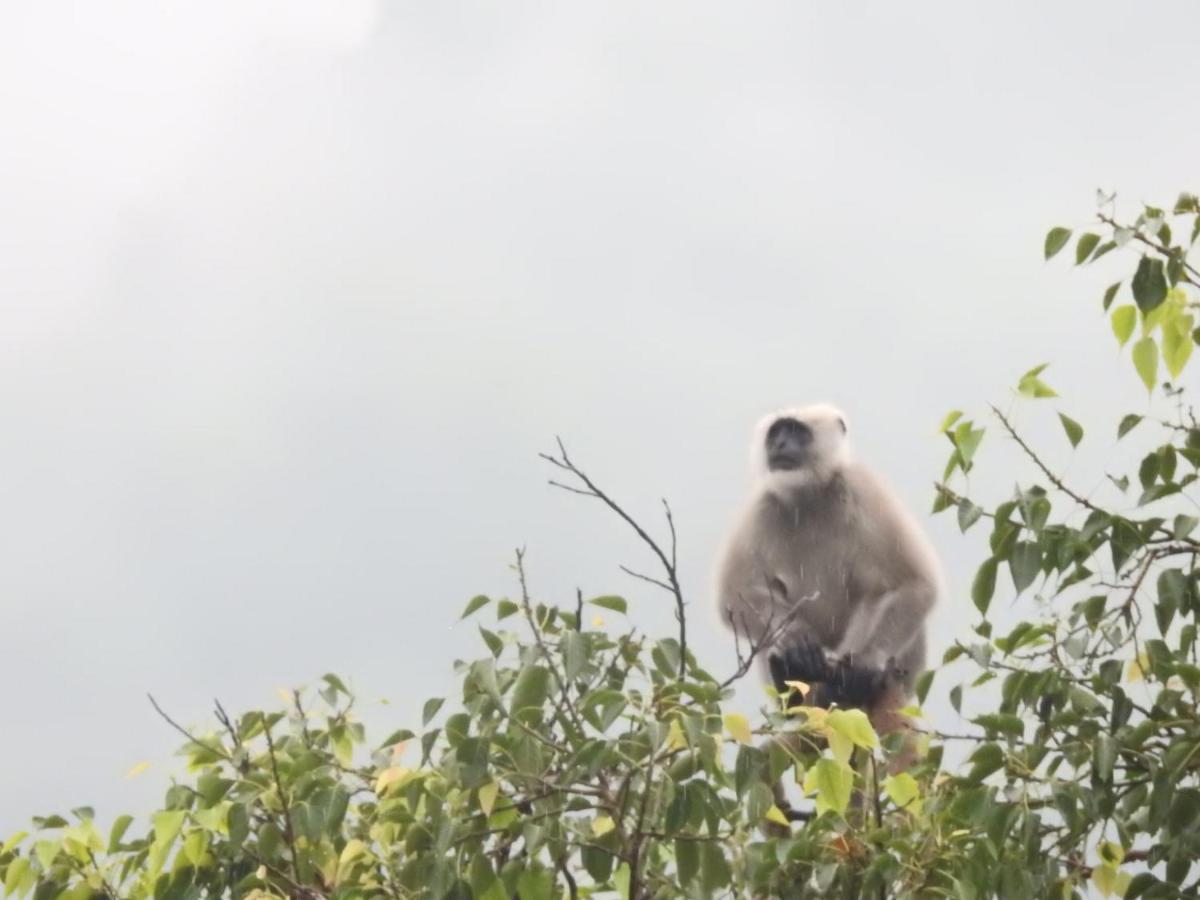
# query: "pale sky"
[292,293]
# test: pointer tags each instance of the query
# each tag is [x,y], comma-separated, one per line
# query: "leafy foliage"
[586,759]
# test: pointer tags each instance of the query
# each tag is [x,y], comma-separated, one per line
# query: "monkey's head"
[802,445]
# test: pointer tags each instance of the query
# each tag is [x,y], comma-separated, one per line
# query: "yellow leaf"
[388,777]
[354,848]
[1137,668]
[814,714]
[903,790]
[487,797]
[775,814]
[738,727]
[802,687]
[602,825]
[598,622]
[285,695]
[1105,879]
[137,770]
[261,873]
[675,737]
[912,711]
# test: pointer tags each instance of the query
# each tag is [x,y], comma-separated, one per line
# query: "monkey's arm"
[883,627]
[895,582]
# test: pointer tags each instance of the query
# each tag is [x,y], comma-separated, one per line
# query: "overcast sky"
[292,293]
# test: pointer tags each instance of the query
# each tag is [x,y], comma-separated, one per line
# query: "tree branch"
[671,585]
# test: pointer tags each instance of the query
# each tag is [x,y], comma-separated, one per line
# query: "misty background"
[292,294]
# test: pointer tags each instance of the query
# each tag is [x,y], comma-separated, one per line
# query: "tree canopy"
[585,758]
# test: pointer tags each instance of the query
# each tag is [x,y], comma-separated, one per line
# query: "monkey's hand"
[803,660]
[853,685]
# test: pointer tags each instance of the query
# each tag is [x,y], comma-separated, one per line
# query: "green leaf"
[951,417]
[1104,754]
[1124,319]
[687,860]
[1056,239]
[493,641]
[1149,284]
[985,760]
[1177,344]
[1128,423]
[1109,293]
[1024,563]
[167,824]
[119,827]
[1145,360]
[968,514]
[505,608]
[714,868]
[1183,526]
[18,869]
[617,604]
[430,709]
[1032,386]
[966,442]
[1084,247]
[854,726]
[833,783]
[476,603]
[529,694]
[1073,429]
[536,884]
[902,789]
[597,862]
[336,683]
[984,585]
[574,651]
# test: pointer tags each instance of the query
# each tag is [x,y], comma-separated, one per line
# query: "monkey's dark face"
[796,446]
[789,444]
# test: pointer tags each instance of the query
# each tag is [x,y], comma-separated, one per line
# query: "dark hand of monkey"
[851,685]
[803,661]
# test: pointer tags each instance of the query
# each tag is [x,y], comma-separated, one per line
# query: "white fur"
[855,562]
[831,447]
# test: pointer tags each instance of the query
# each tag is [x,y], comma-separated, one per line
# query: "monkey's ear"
[842,422]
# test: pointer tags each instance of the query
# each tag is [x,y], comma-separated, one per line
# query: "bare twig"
[211,748]
[289,833]
[223,718]
[572,887]
[1037,460]
[646,578]
[771,633]
[671,584]
[1157,247]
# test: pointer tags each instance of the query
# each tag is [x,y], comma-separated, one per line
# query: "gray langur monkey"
[827,568]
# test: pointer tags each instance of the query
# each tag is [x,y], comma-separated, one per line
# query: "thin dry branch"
[668,560]
[211,748]
[771,632]
[289,832]
[1158,247]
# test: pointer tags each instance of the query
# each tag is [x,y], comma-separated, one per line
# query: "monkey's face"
[798,445]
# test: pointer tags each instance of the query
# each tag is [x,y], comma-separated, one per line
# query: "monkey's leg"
[887,719]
